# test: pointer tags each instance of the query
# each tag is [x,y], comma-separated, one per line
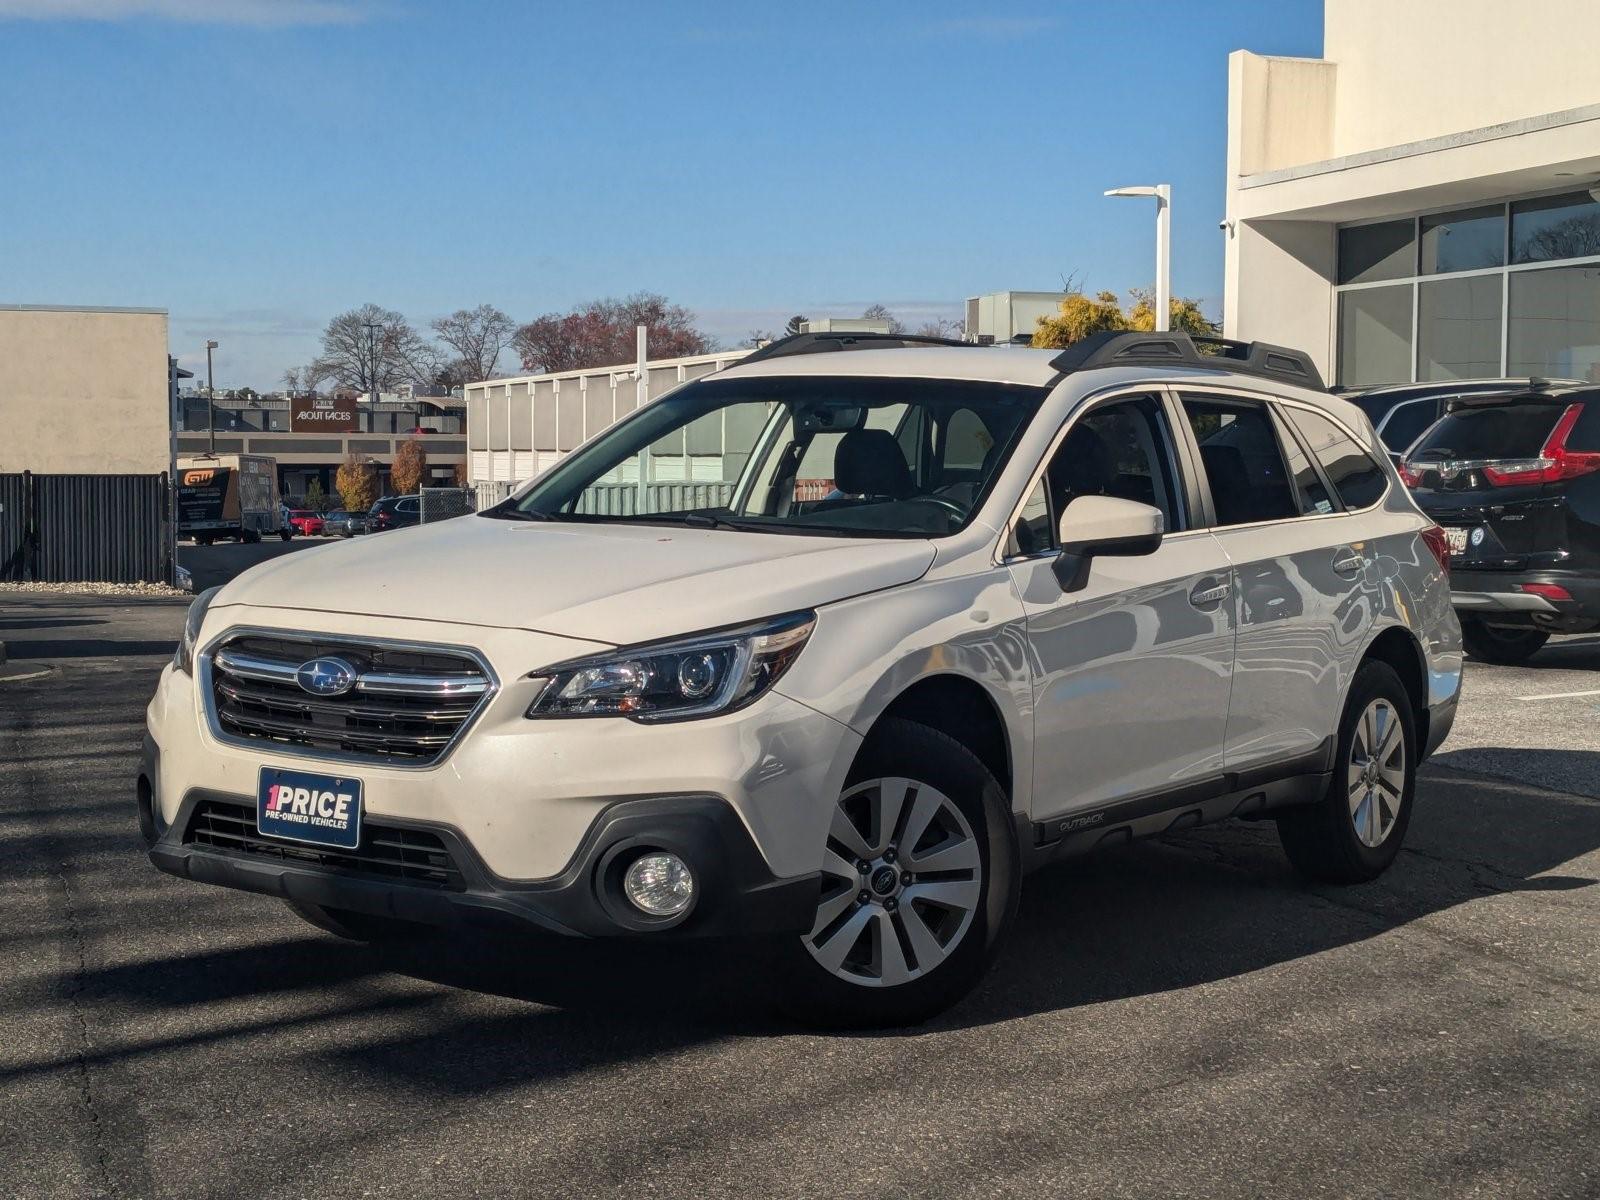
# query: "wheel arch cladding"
[1397,647]
[962,710]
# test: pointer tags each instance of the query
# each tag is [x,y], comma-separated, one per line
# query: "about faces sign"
[322,415]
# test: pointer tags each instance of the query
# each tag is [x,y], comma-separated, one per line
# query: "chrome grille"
[408,705]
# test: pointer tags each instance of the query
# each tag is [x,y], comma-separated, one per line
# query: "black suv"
[394,512]
[1402,411]
[1514,478]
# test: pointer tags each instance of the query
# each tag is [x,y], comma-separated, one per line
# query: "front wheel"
[1502,644]
[285,534]
[919,881]
[1354,832]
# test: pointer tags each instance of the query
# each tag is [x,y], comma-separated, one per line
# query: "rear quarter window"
[1355,476]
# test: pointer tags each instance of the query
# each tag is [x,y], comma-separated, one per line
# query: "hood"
[605,583]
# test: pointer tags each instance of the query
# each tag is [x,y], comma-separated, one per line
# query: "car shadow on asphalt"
[1562,653]
[1158,917]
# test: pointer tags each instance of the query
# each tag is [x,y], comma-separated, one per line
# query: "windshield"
[863,457]
[1505,431]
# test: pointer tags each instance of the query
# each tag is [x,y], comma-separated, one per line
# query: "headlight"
[688,677]
[183,656]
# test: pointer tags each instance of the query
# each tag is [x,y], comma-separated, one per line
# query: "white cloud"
[259,13]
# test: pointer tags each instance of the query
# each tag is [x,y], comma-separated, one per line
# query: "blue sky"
[256,166]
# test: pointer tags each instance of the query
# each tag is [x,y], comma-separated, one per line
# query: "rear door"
[1488,472]
[1301,565]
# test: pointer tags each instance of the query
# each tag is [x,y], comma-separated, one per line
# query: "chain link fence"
[440,504]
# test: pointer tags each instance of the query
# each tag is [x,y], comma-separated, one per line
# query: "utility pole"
[211,403]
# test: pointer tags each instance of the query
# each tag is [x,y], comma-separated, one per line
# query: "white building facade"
[1422,203]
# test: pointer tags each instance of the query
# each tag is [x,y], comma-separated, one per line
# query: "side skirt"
[1251,794]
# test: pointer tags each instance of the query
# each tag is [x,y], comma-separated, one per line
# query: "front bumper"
[735,891]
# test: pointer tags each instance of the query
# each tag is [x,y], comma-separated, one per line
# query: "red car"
[305,522]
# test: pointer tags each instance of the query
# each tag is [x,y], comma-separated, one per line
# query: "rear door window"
[1309,488]
[1359,481]
[1516,430]
[1244,463]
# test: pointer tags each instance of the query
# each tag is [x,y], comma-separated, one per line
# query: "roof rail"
[1186,350]
[824,343]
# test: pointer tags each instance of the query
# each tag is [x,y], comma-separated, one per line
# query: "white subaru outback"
[834,646]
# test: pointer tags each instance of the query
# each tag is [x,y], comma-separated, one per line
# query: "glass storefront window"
[1554,326]
[1458,328]
[1375,336]
[1555,227]
[1470,240]
[1368,253]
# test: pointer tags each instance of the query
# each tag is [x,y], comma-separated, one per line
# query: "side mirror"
[1093,526]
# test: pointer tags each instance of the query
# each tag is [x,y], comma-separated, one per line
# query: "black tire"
[1503,644]
[358,926]
[1321,839]
[284,535]
[251,537]
[905,749]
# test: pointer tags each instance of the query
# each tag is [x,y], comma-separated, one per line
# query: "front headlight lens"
[183,656]
[689,677]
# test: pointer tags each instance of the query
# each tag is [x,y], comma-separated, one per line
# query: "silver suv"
[834,646]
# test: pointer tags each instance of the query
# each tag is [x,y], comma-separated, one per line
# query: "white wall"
[1415,69]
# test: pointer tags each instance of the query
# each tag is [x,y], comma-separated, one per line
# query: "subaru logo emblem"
[326,677]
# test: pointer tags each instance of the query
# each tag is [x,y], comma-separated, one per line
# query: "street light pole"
[211,404]
[1163,196]
[372,328]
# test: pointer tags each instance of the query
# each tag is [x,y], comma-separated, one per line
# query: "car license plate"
[301,806]
[1457,539]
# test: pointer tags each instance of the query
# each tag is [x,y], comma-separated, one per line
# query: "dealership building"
[1423,202]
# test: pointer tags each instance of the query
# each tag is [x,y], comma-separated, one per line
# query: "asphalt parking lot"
[1183,1018]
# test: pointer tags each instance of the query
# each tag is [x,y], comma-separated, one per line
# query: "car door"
[1131,674]
[1301,569]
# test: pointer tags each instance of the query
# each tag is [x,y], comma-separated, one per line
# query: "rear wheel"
[1354,832]
[357,926]
[919,882]
[285,534]
[1507,645]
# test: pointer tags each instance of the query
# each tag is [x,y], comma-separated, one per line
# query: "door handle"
[1349,563]
[1209,591]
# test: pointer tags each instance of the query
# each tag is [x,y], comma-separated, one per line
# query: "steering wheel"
[955,507]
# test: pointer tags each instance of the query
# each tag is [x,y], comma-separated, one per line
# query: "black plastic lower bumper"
[735,891]
[1495,597]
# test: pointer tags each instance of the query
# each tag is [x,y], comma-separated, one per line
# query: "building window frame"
[1416,279]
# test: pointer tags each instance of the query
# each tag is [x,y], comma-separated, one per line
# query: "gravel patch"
[95,589]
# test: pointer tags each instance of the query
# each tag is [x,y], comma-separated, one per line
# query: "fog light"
[659,884]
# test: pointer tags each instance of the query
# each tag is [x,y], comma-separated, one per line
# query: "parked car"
[394,512]
[1514,479]
[305,522]
[1049,602]
[1401,412]
[343,523]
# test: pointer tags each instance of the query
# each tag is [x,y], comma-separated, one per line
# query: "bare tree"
[941,327]
[880,312]
[478,336]
[372,348]
[601,333]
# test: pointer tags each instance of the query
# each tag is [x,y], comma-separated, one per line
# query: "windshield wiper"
[698,520]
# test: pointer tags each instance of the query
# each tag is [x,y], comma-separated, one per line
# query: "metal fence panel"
[491,491]
[622,499]
[102,528]
[13,526]
[440,504]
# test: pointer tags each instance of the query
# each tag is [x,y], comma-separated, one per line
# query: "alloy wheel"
[1377,772]
[902,880]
